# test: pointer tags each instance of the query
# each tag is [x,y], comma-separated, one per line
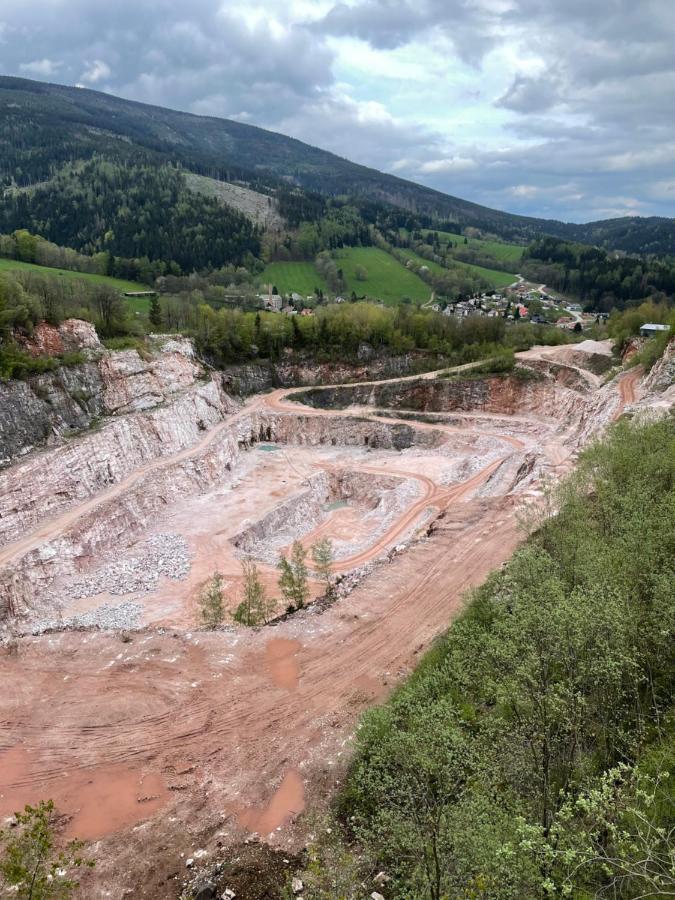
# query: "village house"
[273,303]
[651,329]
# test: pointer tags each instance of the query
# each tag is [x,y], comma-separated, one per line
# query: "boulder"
[206,891]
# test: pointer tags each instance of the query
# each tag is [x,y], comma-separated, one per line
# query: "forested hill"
[44,127]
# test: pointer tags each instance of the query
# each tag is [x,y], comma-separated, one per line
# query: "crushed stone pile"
[162,554]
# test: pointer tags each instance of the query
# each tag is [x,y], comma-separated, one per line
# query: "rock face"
[495,394]
[253,378]
[662,376]
[45,408]
[70,336]
[46,483]
[132,383]
[48,408]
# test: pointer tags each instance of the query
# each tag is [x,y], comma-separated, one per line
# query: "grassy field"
[498,249]
[495,277]
[136,304]
[287,277]
[387,279]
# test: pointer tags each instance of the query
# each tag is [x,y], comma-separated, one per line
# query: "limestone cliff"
[49,408]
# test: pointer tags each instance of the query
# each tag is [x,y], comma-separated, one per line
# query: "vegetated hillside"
[44,126]
[494,277]
[603,281]
[633,234]
[132,210]
[530,754]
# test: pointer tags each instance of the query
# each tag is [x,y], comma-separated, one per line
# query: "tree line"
[256,606]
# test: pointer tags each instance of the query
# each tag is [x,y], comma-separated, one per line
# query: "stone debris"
[297,885]
[125,616]
[162,554]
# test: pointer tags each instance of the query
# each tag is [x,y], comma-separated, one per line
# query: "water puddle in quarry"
[282,664]
[287,802]
[98,802]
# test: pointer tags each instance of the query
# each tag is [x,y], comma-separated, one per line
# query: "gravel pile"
[124,617]
[162,554]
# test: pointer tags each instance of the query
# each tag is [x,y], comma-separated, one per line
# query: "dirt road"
[628,389]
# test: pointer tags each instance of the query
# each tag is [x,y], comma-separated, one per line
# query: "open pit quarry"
[160,741]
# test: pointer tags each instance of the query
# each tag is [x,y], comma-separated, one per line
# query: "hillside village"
[520,301]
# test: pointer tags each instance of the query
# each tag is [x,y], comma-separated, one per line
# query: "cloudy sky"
[558,108]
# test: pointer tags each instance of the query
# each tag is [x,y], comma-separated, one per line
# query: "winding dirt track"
[205,713]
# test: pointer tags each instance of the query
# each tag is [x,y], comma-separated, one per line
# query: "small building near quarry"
[651,329]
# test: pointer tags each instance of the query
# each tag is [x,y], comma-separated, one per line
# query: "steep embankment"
[50,408]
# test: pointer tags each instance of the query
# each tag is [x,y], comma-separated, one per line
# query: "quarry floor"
[167,739]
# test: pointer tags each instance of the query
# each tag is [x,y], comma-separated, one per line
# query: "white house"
[651,329]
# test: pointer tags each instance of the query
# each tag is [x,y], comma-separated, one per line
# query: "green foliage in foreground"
[31,867]
[529,756]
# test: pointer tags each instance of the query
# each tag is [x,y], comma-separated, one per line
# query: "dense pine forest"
[133,211]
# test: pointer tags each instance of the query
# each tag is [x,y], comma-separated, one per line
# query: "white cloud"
[44,67]
[452,164]
[96,71]
[524,190]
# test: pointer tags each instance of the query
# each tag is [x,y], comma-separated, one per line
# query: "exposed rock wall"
[132,383]
[662,375]
[349,432]
[127,442]
[70,336]
[493,394]
[252,378]
[47,409]
[49,482]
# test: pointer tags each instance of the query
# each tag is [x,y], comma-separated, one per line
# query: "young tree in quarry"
[211,601]
[293,577]
[256,607]
[322,557]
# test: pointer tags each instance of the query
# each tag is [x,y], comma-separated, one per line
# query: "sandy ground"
[157,743]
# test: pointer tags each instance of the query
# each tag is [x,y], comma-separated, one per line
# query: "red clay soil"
[203,737]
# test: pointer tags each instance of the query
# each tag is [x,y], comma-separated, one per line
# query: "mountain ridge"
[50,118]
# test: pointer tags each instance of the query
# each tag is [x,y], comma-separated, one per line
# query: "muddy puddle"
[287,802]
[282,664]
[97,802]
